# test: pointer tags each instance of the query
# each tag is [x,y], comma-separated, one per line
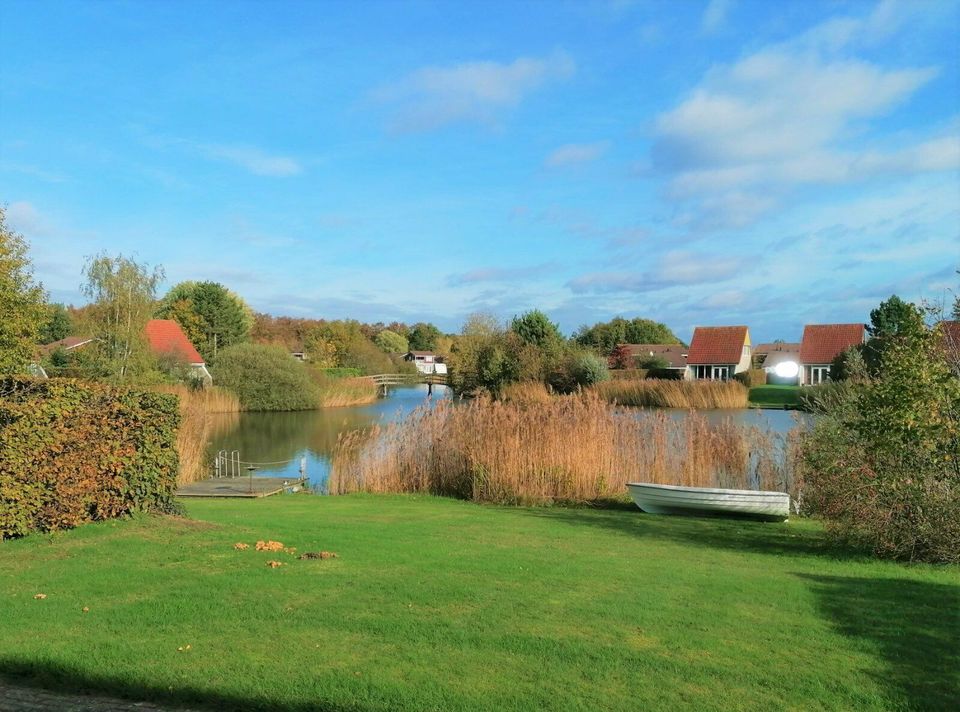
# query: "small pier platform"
[240,487]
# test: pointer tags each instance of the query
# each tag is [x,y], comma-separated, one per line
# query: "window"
[819,374]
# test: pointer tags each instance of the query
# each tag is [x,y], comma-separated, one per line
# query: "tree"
[605,336]
[265,378]
[57,324]
[423,337]
[392,343]
[123,293]
[535,328]
[211,315]
[22,303]
[882,464]
[892,320]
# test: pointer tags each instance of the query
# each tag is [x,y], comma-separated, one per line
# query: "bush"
[589,369]
[341,372]
[753,377]
[882,464]
[76,452]
[265,378]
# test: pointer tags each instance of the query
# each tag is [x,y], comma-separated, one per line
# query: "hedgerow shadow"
[913,625]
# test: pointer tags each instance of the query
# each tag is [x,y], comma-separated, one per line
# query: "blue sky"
[723,162]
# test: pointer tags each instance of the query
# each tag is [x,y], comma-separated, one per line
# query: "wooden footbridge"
[385,381]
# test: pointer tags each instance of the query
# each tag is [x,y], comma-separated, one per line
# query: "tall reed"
[576,448]
[654,393]
[197,408]
[339,392]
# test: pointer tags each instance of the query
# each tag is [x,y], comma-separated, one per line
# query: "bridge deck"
[239,487]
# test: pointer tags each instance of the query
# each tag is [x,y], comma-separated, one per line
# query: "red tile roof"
[166,338]
[824,342]
[951,335]
[675,354]
[717,344]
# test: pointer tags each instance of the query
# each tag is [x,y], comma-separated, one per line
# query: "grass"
[663,393]
[448,605]
[566,448]
[775,396]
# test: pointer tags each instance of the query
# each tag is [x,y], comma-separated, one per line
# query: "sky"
[694,162]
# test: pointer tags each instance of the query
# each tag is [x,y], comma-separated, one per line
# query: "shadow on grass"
[744,535]
[913,625]
[52,676]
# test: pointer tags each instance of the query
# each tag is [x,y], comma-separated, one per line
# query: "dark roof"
[781,346]
[824,342]
[676,354]
[166,338]
[421,353]
[717,344]
[67,344]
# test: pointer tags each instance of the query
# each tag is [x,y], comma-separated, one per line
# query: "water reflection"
[285,438]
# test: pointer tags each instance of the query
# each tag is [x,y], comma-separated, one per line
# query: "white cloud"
[433,97]
[253,159]
[715,15]
[575,153]
[675,268]
[787,115]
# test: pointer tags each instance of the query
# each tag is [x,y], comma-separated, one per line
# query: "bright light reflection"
[787,369]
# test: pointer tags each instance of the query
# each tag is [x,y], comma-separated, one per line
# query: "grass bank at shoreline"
[443,604]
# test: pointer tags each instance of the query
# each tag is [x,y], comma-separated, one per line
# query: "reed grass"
[525,392]
[341,392]
[654,393]
[577,448]
[197,408]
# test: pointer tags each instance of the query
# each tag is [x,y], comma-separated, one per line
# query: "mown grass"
[448,605]
[775,396]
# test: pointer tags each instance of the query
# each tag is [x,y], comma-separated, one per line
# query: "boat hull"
[700,501]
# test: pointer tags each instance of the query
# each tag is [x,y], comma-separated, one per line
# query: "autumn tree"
[423,337]
[212,316]
[22,302]
[123,296]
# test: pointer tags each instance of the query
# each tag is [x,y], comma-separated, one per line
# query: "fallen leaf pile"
[269,546]
[40,596]
[274,564]
[240,546]
[318,555]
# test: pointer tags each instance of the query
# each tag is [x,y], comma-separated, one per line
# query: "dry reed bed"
[196,426]
[340,392]
[656,393]
[573,448]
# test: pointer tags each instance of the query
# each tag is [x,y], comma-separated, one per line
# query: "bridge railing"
[405,379]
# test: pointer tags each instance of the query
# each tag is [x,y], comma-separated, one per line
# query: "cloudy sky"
[721,162]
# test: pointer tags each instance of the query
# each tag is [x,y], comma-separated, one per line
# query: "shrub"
[753,377]
[652,362]
[265,378]
[73,452]
[882,464]
[341,372]
[589,369]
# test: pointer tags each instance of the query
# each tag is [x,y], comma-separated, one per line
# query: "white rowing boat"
[670,499]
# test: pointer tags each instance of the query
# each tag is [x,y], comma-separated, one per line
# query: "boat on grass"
[672,499]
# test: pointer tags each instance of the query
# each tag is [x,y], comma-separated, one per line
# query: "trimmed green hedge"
[73,452]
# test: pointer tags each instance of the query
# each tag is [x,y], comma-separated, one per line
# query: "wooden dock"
[240,487]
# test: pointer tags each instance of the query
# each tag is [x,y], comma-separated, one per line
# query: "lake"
[278,441]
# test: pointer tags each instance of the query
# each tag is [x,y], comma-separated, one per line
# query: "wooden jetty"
[241,487]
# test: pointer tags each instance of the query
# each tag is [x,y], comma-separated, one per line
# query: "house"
[71,343]
[675,355]
[423,360]
[167,340]
[821,344]
[780,360]
[718,352]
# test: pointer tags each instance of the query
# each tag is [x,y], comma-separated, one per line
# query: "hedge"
[73,452]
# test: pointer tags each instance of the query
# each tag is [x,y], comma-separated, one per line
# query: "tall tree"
[57,325]
[212,316]
[893,320]
[123,293]
[604,336]
[423,337]
[22,303]
[391,342]
[535,328]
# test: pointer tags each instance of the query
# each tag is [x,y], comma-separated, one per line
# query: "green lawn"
[446,605]
[774,396]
